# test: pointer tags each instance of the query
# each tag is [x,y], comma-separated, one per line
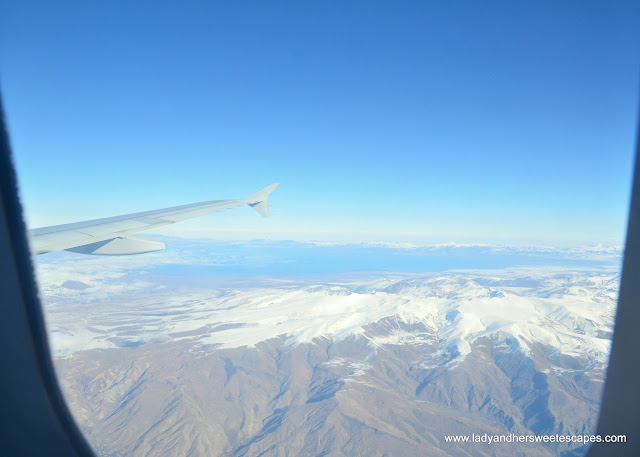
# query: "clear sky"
[509,122]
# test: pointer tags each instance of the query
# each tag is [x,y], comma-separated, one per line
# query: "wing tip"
[260,200]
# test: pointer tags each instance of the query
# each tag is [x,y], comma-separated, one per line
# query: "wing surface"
[117,235]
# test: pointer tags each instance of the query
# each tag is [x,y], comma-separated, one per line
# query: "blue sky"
[505,122]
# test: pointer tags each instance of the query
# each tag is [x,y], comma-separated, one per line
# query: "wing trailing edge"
[121,246]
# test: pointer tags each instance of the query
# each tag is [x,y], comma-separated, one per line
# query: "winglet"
[260,200]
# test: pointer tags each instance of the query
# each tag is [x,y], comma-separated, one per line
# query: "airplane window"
[269,229]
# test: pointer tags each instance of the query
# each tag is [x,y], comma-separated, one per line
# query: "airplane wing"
[118,235]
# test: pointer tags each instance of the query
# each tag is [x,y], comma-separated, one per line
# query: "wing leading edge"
[118,235]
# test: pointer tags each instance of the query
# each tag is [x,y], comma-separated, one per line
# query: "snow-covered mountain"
[358,365]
